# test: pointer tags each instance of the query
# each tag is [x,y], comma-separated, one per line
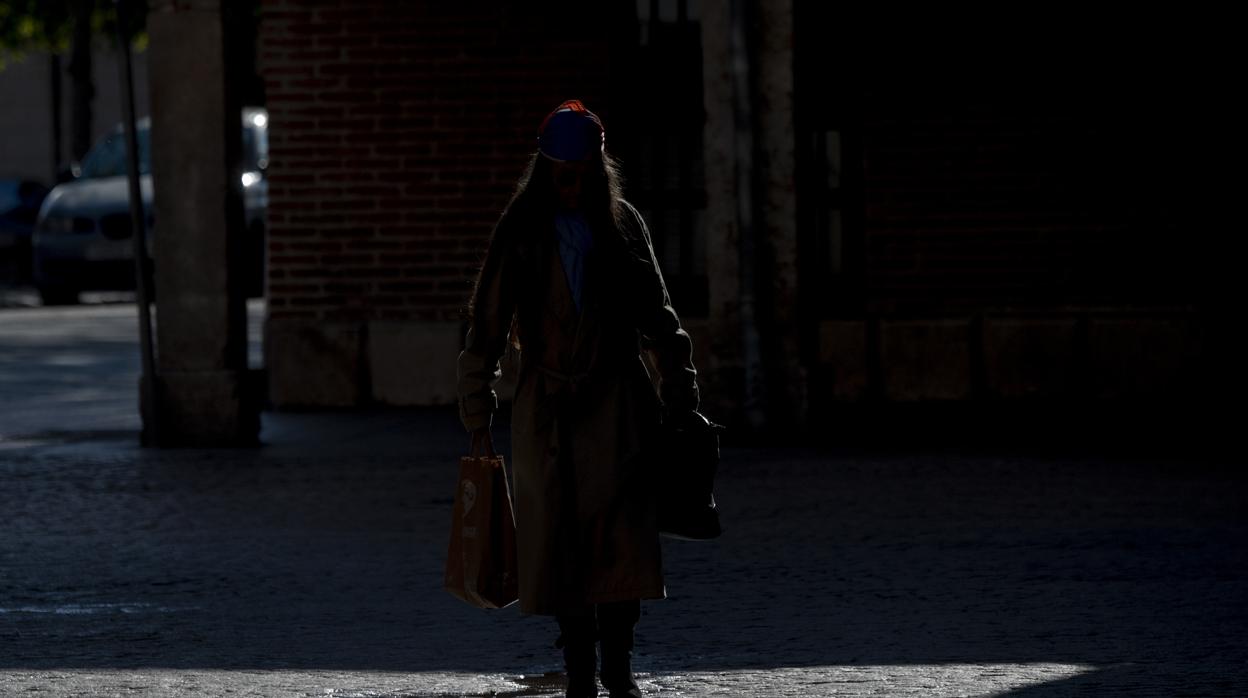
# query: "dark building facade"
[835,230]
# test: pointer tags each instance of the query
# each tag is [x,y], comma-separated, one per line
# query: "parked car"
[20,200]
[83,239]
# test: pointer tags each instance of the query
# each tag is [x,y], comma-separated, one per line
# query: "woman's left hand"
[481,442]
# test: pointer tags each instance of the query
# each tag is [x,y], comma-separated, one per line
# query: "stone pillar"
[786,369]
[206,396]
[724,376]
[750,168]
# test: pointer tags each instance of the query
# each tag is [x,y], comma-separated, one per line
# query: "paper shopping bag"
[481,557]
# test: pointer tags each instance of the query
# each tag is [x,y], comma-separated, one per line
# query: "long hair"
[604,192]
[533,202]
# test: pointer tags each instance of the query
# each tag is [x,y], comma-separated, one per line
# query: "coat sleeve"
[493,305]
[667,343]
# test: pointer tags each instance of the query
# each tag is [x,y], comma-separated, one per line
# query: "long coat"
[584,409]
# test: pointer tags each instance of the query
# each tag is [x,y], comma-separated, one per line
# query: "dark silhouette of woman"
[571,280]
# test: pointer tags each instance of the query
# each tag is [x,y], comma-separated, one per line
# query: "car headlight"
[56,225]
[65,225]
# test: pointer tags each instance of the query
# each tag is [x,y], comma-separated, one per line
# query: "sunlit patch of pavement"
[935,680]
[249,683]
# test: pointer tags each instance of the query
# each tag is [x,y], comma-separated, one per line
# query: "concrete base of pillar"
[1031,357]
[204,409]
[843,359]
[402,363]
[1145,357]
[926,359]
[413,363]
[315,364]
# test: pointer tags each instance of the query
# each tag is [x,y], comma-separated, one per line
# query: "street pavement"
[312,565]
[76,368]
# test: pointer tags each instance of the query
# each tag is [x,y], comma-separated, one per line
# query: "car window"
[108,157]
[20,198]
[9,199]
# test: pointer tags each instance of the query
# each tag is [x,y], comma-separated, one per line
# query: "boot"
[578,639]
[616,622]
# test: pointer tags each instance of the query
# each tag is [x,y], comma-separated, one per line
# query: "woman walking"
[570,279]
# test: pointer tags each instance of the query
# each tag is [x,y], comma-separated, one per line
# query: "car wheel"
[58,295]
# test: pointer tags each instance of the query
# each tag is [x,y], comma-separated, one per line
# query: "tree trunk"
[83,88]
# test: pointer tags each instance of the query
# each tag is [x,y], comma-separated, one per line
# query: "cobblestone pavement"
[312,567]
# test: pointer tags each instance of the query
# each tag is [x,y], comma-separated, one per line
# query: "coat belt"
[560,387]
[571,380]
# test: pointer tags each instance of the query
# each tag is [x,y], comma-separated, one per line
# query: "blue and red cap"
[570,133]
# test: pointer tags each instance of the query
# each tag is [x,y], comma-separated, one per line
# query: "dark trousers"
[610,623]
[593,618]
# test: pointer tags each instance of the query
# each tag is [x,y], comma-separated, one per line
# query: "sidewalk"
[312,566]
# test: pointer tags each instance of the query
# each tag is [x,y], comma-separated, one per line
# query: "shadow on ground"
[324,550]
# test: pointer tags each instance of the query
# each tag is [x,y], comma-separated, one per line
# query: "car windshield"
[108,157]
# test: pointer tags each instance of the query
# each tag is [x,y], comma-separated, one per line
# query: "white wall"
[26,106]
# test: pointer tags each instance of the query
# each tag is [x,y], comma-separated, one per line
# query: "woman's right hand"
[481,443]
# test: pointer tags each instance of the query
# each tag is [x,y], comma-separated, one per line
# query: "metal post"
[138,228]
[57,162]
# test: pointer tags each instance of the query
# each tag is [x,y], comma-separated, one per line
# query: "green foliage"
[33,24]
[47,25]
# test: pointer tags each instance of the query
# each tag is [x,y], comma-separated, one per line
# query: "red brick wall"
[397,131]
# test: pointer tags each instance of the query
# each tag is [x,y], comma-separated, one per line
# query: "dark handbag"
[481,556]
[688,458]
